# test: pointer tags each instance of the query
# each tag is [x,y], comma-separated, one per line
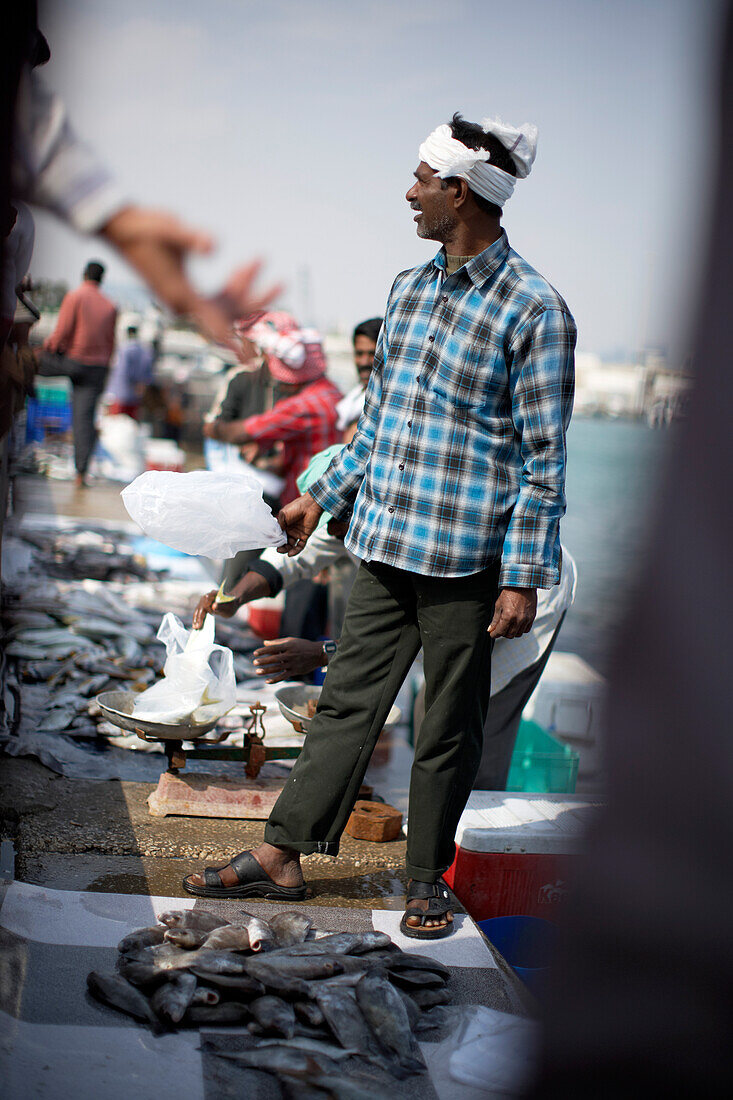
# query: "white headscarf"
[449,157]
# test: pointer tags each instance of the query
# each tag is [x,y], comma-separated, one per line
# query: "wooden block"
[374,821]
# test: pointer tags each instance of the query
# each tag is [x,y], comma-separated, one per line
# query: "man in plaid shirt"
[304,420]
[453,489]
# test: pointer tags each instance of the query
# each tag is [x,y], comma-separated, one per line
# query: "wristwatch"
[329,648]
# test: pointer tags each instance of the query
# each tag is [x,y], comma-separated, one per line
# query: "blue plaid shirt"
[459,456]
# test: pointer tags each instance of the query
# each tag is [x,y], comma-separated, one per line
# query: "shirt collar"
[481,267]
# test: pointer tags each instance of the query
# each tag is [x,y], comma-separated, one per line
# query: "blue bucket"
[527,944]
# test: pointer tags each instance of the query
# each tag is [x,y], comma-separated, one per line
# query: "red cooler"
[515,852]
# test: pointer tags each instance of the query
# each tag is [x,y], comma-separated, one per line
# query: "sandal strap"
[424,890]
[211,877]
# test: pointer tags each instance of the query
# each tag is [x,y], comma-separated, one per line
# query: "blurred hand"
[252,586]
[207,605]
[285,658]
[250,451]
[156,245]
[298,520]
[514,612]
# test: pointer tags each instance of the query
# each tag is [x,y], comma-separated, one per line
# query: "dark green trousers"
[390,615]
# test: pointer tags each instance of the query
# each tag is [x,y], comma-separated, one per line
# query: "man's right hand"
[298,520]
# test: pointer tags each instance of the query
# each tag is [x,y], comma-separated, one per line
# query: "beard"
[438,229]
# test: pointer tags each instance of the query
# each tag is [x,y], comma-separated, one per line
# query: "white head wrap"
[449,157]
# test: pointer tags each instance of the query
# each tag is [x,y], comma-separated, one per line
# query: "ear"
[461,191]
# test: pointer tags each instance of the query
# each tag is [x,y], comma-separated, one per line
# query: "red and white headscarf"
[293,354]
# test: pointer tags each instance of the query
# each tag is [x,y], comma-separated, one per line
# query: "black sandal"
[438,905]
[253,882]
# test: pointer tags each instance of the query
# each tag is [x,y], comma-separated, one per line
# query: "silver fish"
[172,998]
[232,937]
[290,928]
[310,1013]
[152,962]
[282,1060]
[295,966]
[115,991]
[273,1014]
[315,1046]
[200,919]
[231,985]
[387,1016]
[188,938]
[335,943]
[405,960]
[417,979]
[427,998]
[345,1019]
[205,995]
[143,937]
[261,936]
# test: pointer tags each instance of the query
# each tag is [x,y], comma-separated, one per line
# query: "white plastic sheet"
[212,514]
[198,682]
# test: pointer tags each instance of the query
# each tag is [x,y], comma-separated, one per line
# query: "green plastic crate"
[541,763]
[53,391]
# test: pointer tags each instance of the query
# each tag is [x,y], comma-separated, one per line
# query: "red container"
[265,615]
[516,852]
[502,884]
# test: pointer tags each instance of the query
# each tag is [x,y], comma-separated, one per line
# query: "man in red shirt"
[303,421]
[81,347]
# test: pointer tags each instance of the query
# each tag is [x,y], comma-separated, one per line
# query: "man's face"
[435,218]
[364,350]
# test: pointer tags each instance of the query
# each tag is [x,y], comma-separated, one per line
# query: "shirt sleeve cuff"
[269,572]
[527,576]
[328,500]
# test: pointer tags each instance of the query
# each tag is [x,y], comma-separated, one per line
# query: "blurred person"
[640,999]
[303,418]
[132,372]
[453,487]
[80,348]
[51,167]
[349,409]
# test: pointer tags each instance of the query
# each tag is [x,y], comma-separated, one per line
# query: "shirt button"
[390,509]
[444,298]
[401,466]
[409,423]
[417,377]
[431,338]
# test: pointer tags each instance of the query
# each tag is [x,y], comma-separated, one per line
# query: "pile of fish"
[66,641]
[315,1008]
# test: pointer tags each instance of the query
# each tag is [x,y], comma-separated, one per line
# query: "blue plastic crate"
[46,418]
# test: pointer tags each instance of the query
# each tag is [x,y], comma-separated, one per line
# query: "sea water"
[613,475]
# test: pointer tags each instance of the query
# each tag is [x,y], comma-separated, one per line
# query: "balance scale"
[200,795]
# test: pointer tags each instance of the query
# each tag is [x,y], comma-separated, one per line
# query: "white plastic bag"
[198,682]
[213,514]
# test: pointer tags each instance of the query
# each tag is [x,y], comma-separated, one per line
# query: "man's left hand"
[514,612]
[285,658]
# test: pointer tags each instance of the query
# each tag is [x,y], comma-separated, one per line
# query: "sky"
[290,129]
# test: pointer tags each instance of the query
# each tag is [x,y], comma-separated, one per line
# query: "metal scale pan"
[116,706]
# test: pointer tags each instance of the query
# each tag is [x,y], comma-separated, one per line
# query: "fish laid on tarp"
[319,1014]
[273,1014]
[200,919]
[290,928]
[115,991]
[385,1013]
[172,998]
